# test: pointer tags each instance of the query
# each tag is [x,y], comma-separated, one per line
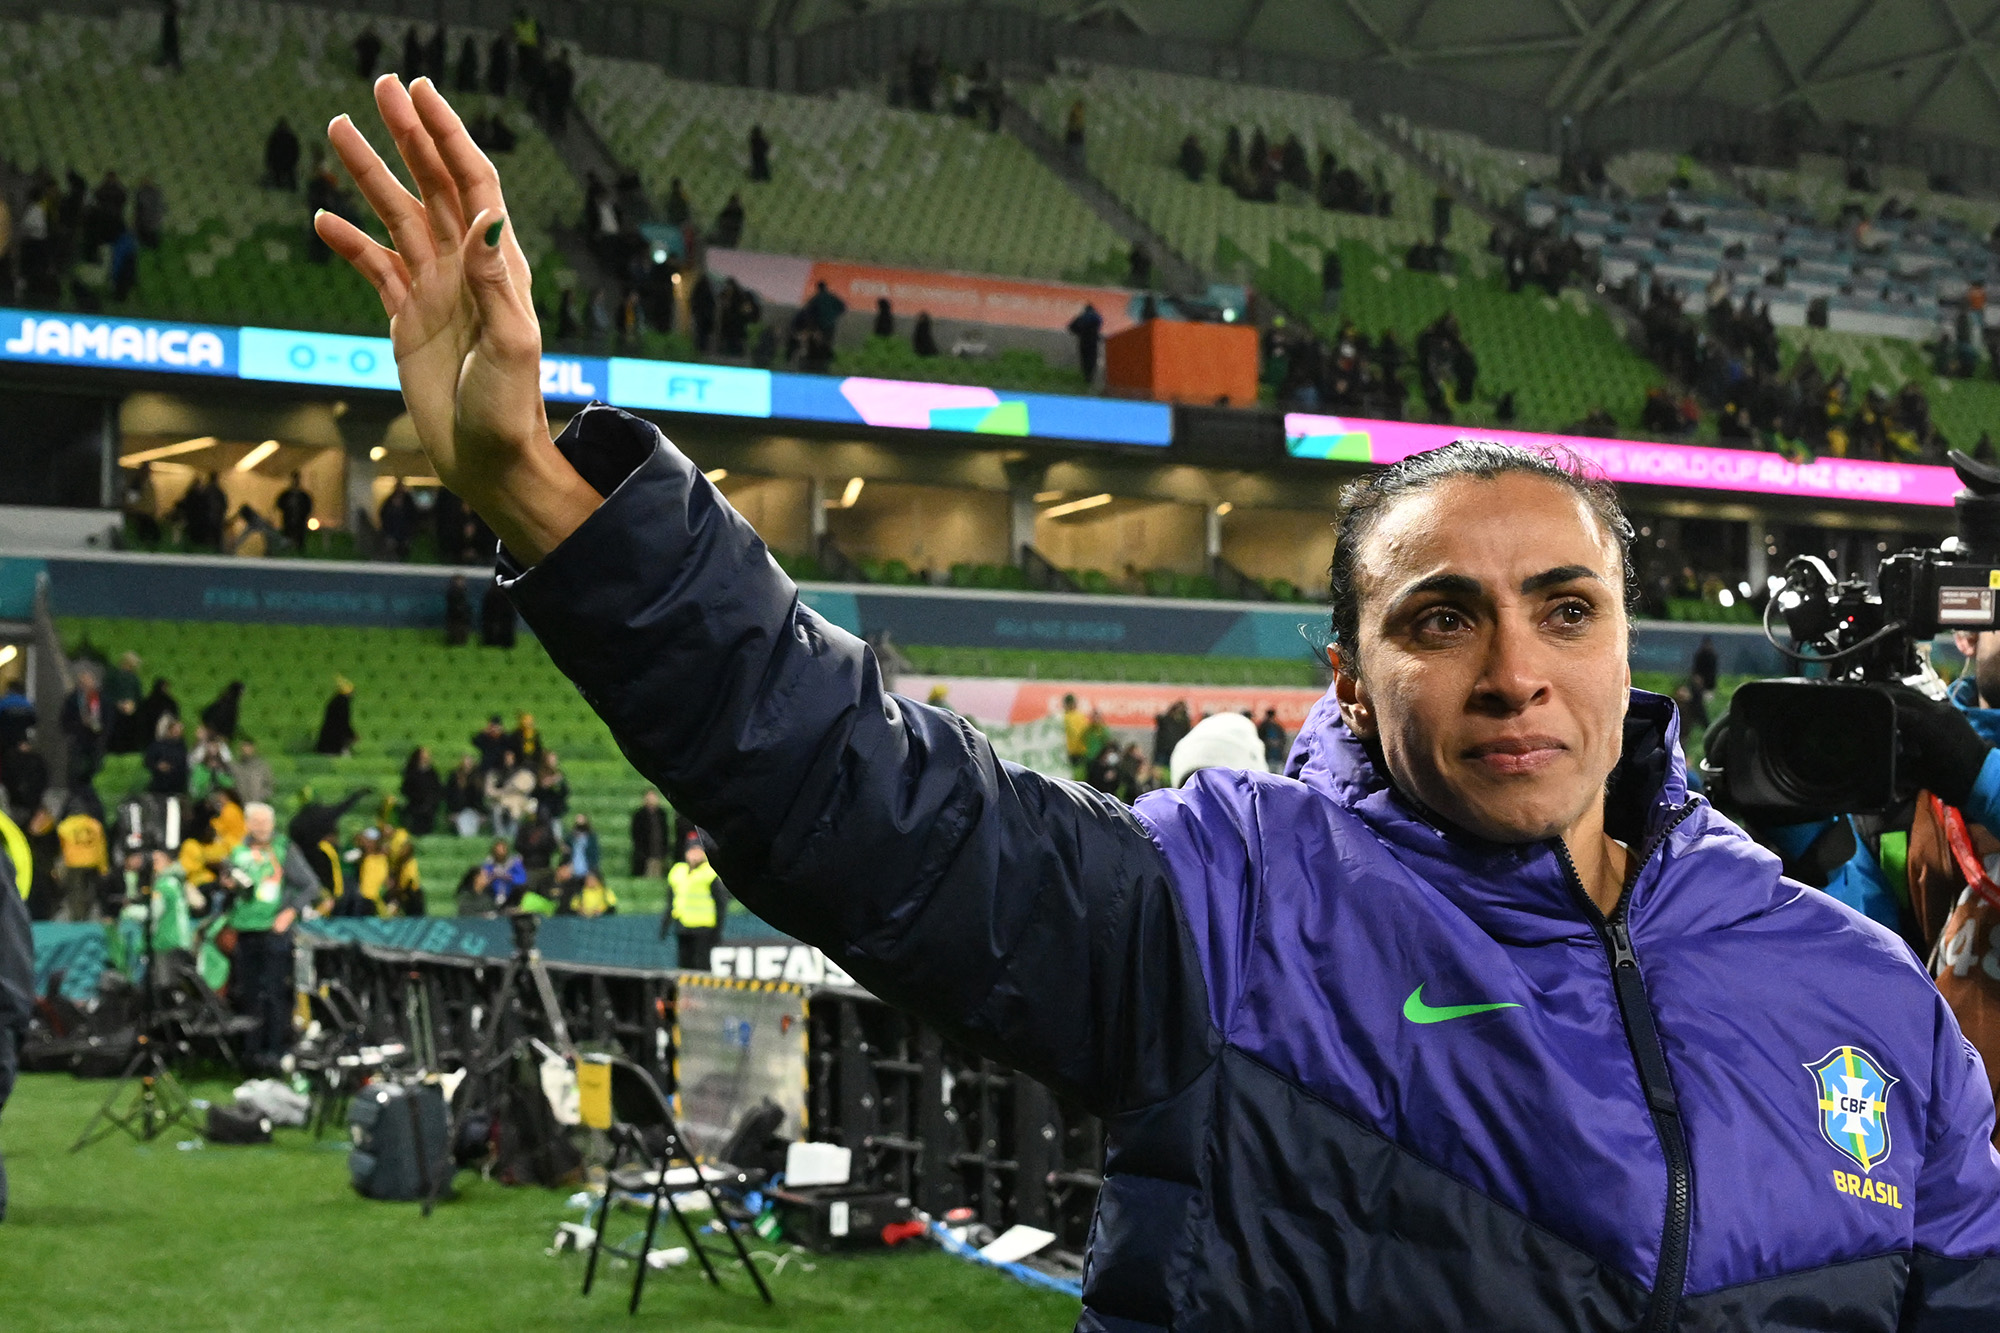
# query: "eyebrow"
[1464,585]
[1561,574]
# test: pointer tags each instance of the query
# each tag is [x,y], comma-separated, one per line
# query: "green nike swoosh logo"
[1417,1011]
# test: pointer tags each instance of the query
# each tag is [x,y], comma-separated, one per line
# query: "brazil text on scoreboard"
[333,360]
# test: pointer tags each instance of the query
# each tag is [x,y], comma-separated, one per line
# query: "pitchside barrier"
[777,1021]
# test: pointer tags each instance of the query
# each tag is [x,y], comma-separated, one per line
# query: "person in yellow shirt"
[596,898]
[1075,724]
[403,890]
[85,862]
[371,871]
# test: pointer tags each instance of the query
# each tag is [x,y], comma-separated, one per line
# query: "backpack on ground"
[385,1122]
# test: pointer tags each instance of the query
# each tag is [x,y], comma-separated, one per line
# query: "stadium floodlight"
[1077,506]
[716,476]
[167,451]
[256,456]
[1224,509]
[852,493]
[8,652]
[377,454]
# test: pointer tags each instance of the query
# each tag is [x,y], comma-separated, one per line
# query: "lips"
[1513,756]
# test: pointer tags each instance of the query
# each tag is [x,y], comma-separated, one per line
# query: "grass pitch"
[124,1236]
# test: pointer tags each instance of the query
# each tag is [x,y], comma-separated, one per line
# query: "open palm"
[456,289]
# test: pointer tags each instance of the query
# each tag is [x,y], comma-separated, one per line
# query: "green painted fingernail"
[493,232]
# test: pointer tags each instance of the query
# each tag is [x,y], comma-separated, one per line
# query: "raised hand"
[456,290]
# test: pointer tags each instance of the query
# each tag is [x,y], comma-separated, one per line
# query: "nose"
[1512,676]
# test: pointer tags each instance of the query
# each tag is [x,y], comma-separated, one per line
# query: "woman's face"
[1491,659]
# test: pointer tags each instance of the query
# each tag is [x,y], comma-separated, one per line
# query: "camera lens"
[1812,748]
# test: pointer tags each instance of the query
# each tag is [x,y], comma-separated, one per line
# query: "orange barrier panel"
[1176,361]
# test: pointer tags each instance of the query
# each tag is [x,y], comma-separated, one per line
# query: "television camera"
[1819,745]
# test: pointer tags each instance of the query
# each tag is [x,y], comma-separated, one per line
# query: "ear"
[1352,696]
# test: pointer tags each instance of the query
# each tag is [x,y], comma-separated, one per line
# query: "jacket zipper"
[1635,1009]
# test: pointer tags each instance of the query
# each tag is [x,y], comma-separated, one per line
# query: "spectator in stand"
[1276,743]
[167,761]
[737,310]
[525,741]
[701,311]
[678,210]
[824,309]
[465,797]
[210,763]
[649,836]
[223,712]
[539,846]
[502,879]
[1168,728]
[83,726]
[367,53]
[422,790]
[281,157]
[295,507]
[1073,132]
[728,231]
[586,852]
[122,692]
[922,341]
[499,59]
[1134,773]
[434,55]
[467,79]
[336,724]
[885,318]
[760,154]
[551,786]
[1075,723]
[157,704]
[1192,161]
[254,779]
[25,775]
[170,35]
[457,613]
[1139,267]
[558,91]
[411,67]
[85,859]
[510,795]
[149,213]
[490,743]
[1088,329]
[403,894]
[1330,279]
[398,517]
[496,619]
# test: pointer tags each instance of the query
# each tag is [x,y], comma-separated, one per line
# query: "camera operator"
[1473,1019]
[17,964]
[272,885]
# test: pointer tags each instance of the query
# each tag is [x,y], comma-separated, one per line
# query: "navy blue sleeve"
[1030,918]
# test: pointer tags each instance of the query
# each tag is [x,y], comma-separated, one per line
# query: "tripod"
[157,1099]
[524,987]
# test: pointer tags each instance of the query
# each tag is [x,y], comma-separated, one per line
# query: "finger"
[420,155]
[399,210]
[507,324]
[478,180]
[372,260]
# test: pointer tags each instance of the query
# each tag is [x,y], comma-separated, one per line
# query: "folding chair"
[621,1099]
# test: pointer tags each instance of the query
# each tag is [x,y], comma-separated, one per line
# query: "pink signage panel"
[1698,467]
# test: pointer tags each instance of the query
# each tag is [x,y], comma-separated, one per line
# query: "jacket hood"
[1524,892]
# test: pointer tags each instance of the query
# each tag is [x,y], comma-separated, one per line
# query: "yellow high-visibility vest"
[17,852]
[694,894]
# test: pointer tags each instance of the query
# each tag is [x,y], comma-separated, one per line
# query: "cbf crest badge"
[1854,1104]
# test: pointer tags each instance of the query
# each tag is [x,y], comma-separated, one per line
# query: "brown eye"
[1573,615]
